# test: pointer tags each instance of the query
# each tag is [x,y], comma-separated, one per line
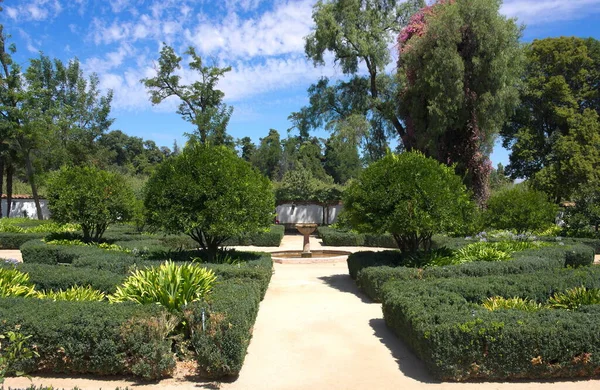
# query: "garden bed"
[444,323]
[101,338]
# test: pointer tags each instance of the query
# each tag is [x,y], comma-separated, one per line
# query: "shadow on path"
[344,283]
[407,361]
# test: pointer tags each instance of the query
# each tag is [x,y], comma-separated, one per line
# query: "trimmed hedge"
[230,314]
[51,277]
[444,324]
[334,237]
[15,240]
[89,337]
[371,278]
[272,237]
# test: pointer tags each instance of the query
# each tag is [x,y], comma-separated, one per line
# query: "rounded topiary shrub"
[210,194]
[90,197]
[409,196]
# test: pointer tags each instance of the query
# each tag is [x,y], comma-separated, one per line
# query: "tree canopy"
[201,103]
[460,62]
[554,135]
[210,194]
[409,196]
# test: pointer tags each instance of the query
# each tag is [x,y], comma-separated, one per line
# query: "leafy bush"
[583,219]
[210,194]
[579,255]
[409,196]
[501,303]
[15,240]
[373,270]
[229,317]
[521,209]
[169,285]
[443,322]
[80,337]
[90,197]
[14,283]
[75,293]
[271,237]
[14,348]
[574,298]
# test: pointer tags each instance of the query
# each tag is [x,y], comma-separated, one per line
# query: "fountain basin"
[318,256]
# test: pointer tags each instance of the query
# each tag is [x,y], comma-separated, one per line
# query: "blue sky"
[262,40]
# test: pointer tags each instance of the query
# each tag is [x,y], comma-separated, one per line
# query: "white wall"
[25,207]
[290,213]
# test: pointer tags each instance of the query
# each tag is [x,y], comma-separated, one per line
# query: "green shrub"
[90,197]
[80,337]
[271,237]
[574,298]
[15,240]
[334,237]
[371,278]
[52,277]
[14,283]
[169,285]
[521,209]
[148,343]
[443,322]
[14,348]
[210,194]
[408,196]
[75,293]
[501,303]
[579,255]
[229,314]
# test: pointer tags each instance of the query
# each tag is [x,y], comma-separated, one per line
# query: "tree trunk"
[31,178]
[10,170]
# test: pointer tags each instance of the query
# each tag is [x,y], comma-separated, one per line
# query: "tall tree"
[360,32]
[554,136]
[247,148]
[268,155]
[201,103]
[460,62]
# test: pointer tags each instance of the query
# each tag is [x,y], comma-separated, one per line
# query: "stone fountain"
[306,229]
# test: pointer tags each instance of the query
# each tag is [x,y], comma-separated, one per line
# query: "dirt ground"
[316,330]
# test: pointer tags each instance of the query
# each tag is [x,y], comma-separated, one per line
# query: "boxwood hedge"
[371,278]
[15,240]
[230,314]
[88,337]
[444,324]
[272,237]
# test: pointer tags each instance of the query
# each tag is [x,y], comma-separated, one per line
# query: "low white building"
[292,213]
[23,206]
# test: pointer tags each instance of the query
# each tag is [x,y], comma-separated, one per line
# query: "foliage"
[501,303]
[521,209]
[152,360]
[222,338]
[300,185]
[170,285]
[583,218]
[443,322]
[209,194]
[14,347]
[356,32]
[79,337]
[14,283]
[373,269]
[336,237]
[90,197]
[409,196]
[75,293]
[201,103]
[459,64]
[554,133]
[579,255]
[271,237]
[268,155]
[574,298]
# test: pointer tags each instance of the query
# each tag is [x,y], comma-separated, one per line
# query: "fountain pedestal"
[306,229]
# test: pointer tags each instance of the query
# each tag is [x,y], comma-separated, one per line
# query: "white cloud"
[280,31]
[35,10]
[544,11]
[118,5]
